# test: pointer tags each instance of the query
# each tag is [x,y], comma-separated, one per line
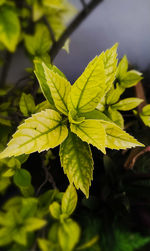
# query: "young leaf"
[9,27]
[89,88]
[40,132]
[146,110]
[69,200]
[95,114]
[127,104]
[110,66]
[114,94]
[22,178]
[145,119]
[27,104]
[68,235]
[117,138]
[130,79]
[76,159]
[59,88]
[122,67]
[91,131]
[32,224]
[115,116]
[55,210]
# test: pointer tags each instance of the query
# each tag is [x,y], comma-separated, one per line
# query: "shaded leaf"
[76,159]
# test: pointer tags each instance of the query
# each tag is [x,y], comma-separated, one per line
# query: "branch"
[72,27]
[139,90]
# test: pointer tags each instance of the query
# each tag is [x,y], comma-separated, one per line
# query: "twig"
[5,69]
[83,3]
[48,178]
[72,27]
[139,90]
[133,158]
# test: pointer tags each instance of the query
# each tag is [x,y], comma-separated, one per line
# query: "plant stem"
[72,27]
[5,69]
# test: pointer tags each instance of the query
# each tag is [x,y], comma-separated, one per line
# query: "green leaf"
[89,87]
[110,66]
[58,4]
[130,79]
[117,138]
[145,119]
[5,236]
[122,67]
[39,43]
[33,224]
[22,178]
[69,200]
[27,104]
[68,235]
[43,106]
[146,110]
[59,88]
[96,114]
[46,245]
[29,207]
[9,27]
[127,104]
[55,210]
[92,132]
[40,74]
[40,132]
[114,94]
[20,236]
[76,159]
[115,116]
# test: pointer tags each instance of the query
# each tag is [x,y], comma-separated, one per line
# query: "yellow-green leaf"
[127,104]
[69,200]
[110,65]
[40,74]
[115,116]
[117,139]
[55,210]
[122,67]
[91,131]
[9,27]
[76,160]
[59,88]
[26,104]
[39,43]
[40,132]
[32,224]
[130,79]
[68,235]
[89,88]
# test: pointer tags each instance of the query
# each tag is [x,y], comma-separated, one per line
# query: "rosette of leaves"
[111,104]
[71,119]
